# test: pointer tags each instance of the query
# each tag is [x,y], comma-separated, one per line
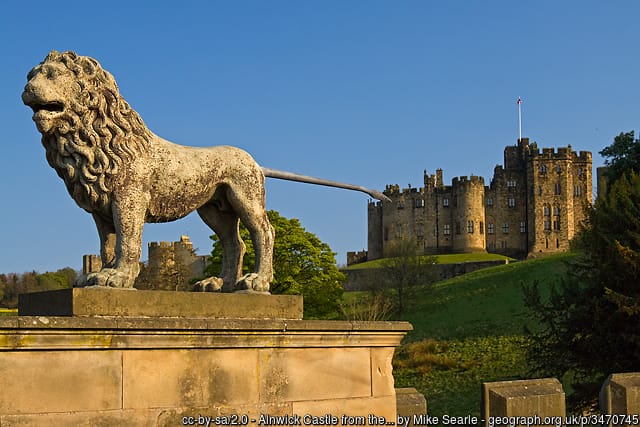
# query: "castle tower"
[468,214]
[91,264]
[561,187]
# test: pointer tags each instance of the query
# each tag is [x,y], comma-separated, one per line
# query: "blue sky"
[367,92]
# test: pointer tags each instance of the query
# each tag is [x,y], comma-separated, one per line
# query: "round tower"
[468,214]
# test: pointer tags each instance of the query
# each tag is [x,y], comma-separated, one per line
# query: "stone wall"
[165,371]
[360,279]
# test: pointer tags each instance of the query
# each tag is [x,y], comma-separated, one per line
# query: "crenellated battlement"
[164,245]
[473,180]
[184,242]
[561,153]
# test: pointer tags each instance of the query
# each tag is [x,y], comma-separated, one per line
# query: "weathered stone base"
[409,403]
[523,398]
[84,371]
[620,394]
[133,303]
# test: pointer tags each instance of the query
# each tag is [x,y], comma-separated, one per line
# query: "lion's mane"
[98,135]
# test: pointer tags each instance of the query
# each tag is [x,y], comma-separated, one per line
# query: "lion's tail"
[290,176]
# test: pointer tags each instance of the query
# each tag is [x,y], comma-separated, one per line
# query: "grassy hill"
[469,330]
[442,259]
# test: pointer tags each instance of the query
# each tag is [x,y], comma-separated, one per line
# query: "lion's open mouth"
[53,107]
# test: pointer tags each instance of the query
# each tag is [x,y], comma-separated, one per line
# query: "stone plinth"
[69,371]
[409,403]
[620,394]
[128,302]
[524,398]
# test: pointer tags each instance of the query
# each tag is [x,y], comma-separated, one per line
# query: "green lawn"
[469,330]
[442,259]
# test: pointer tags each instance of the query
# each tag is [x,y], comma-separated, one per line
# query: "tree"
[4,282]
[623,156]
[60,279]
[591,321]
[404,270]
[302,263]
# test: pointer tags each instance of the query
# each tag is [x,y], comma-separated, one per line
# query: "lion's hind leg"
[224,222]
[254,216]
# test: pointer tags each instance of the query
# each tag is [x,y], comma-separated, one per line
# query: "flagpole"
[519,120]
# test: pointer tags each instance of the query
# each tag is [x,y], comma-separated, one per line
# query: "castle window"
[556,188]
[457,228]
[547,225]
[577,191]
[490,202]
[503,244]
[398,230]
[447,229]
[557,244]
[470,227]
[505,228]
[445,202]
[559,169]
[481,227]
[511,202]
[539,190]
[511,183]
[546,210]
[546,243]
[556,224]
[419,231]
[492,246]
[556,211]
[419,203]
[543,169]
[490,229]
[523,227]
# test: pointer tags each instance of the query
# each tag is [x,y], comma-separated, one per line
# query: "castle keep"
[533,205]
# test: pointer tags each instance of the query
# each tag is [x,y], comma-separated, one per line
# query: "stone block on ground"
[543,397]
[409,403]
[620,394]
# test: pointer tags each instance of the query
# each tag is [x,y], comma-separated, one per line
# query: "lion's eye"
[50,73]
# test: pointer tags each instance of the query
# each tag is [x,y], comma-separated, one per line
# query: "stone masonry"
[533,206]
[167,260]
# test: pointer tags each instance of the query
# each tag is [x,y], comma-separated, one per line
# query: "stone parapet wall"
[160,371]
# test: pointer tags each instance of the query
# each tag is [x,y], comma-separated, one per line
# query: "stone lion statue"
[124,175]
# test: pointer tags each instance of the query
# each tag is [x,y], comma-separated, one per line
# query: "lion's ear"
[53,56]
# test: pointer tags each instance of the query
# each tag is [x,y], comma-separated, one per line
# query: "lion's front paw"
[110,278]
[210,284]
[252,283]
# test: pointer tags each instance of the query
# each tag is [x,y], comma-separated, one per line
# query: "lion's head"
[88,130]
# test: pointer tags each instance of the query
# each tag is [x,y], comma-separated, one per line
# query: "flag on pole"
[519,120]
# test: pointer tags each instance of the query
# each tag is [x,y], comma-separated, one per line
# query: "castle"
[533,206]
[170,265]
